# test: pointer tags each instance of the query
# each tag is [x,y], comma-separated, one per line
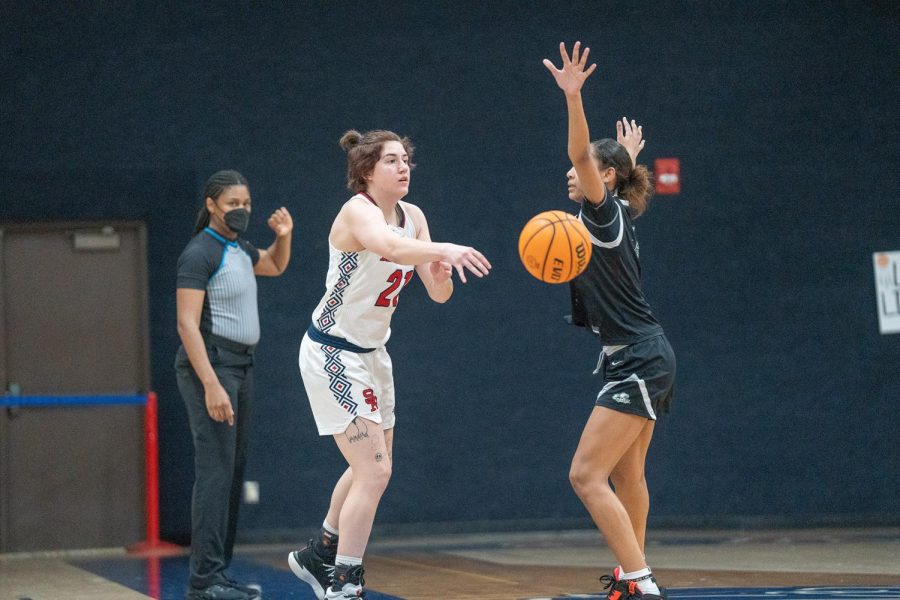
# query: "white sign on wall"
[887,287]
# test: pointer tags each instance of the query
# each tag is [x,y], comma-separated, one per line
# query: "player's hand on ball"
[281,222]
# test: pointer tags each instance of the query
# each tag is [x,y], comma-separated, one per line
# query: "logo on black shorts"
[622,398]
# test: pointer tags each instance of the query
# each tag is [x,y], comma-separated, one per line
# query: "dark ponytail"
[634,183]
[637,189]
[214,187]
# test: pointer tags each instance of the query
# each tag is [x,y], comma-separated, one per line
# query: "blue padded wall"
[783,115]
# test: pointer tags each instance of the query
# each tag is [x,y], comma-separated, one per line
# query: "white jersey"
[361,291]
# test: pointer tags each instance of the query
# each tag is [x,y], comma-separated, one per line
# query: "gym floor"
[850,564]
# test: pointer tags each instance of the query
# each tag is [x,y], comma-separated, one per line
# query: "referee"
[218,322]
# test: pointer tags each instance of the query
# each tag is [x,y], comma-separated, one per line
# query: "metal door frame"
[144,303]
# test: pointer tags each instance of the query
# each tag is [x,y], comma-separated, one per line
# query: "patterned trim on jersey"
[338,384]
[348,264]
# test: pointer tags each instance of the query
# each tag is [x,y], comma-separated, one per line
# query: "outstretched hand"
[572,75]
[464,257]
[631,136]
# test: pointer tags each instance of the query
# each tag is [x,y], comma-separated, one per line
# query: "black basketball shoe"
[252,592]
[312,568]
[347,583]
[627,589]
[218,591]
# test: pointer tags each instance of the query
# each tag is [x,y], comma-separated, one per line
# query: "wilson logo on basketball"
[582,253]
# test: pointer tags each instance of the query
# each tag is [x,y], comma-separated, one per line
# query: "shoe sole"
[190,596]
[306,576]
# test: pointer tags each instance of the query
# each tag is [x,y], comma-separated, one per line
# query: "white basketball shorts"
[342,385]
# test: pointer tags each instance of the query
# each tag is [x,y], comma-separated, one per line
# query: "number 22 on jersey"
[397,281]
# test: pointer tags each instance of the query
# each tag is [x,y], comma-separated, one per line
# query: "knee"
[384,473]
[583,478]
[378,477]
[576,479]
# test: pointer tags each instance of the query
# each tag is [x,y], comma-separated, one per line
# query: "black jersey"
[607,298]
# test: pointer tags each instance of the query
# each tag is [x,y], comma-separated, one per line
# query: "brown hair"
[364,150]
[634,183]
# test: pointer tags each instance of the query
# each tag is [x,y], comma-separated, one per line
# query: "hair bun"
[349,140]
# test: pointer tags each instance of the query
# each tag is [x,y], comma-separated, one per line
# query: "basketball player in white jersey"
[375,244]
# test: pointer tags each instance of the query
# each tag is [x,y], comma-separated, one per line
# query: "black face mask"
[237,220]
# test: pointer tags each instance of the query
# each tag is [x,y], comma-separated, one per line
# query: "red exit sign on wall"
[668,176]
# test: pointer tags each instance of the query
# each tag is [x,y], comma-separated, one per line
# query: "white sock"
[350,561]
[327,527]
[643,579]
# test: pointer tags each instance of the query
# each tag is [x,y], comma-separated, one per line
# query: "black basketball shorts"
[639,379]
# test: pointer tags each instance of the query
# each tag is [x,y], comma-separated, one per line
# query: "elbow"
[282,265]
[185,326]
[270,269]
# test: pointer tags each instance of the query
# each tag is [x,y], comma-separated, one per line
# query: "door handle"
[13,389]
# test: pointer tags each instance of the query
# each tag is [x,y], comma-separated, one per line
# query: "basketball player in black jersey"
[636,363]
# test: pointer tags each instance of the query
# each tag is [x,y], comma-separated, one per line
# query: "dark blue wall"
[783,114]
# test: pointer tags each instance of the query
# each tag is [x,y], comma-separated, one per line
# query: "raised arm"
[570,79]
[274,259]
[631,136]
[365,224]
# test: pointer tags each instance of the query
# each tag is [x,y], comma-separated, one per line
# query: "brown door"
[73,321]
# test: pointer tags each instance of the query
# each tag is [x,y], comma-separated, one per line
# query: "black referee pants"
[220,453]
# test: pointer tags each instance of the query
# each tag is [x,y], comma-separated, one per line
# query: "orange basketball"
[554,246]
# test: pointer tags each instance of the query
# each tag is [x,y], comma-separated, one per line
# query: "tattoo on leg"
[379,457]
[361,433]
